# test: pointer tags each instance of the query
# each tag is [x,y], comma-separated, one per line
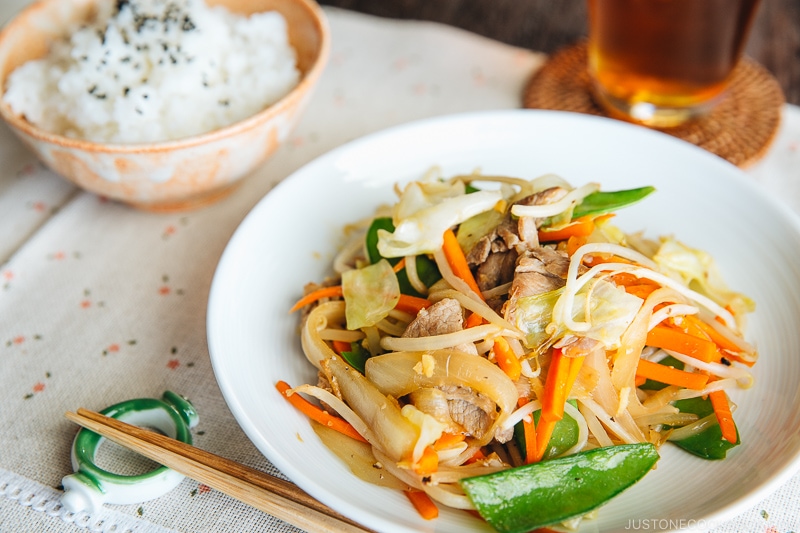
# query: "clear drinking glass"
[663,62]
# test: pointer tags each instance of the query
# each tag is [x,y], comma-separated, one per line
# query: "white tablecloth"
[100,303]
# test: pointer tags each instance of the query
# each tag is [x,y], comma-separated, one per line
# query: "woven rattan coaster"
[739,129]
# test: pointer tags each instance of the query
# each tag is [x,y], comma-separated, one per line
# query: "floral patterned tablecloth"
[100,303]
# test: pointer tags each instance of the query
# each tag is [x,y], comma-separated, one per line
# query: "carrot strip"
[412,304]
[555,393]
[544,430]
[428,463]
[690,327]
[574,368]
[731,350]
[317,413]
[719,401]
[712,333]
[640,380]
[341,346]
[474,319]
[448,440]
[553,399]
[313,296]
[634,285]
[423,504]
[506,358]
[678,341]
[580,227]
[596,259]
[399,266]
[670,376]
[458,262]
[573,243]
[642,290]
[624,279]
[529,430]
[477,456]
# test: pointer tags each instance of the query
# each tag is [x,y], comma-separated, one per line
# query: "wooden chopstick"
[270,494]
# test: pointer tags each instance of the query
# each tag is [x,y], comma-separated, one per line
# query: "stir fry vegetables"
[489,335]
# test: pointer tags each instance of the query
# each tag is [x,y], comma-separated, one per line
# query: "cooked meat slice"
[516,233]
[503,435]
[499,246]
[471,410]
[533,283]
[528,229]
[547,196]
[481,250]
[434,402]
[496,270]
[508,231]
[538,271]
[555,262]
[444,316]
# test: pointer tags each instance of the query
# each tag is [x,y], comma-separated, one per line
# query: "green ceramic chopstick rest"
[91,486]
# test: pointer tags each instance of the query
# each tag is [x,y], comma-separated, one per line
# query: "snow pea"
[564,437]
[427,270]
[708,443]
[522,499]
[600,202]
[357,356]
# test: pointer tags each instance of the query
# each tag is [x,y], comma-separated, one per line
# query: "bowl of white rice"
[160,104]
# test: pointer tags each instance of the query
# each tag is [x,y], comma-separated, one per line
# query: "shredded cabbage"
[699,271]
[369,294]
[608,309]
[425,212]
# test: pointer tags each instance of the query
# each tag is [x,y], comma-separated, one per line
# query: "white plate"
[290,237]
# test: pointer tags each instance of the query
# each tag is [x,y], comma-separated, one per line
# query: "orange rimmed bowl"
[169,175]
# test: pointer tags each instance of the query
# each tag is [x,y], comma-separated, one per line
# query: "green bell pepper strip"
[427,270]
[565,434]
[600,202]
[522,499]
[708,443]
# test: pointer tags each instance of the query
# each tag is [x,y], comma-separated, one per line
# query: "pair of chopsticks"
[270,494]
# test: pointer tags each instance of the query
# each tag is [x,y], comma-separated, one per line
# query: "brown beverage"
[661,62]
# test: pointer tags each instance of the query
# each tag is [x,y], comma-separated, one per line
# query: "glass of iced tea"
[663,62]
